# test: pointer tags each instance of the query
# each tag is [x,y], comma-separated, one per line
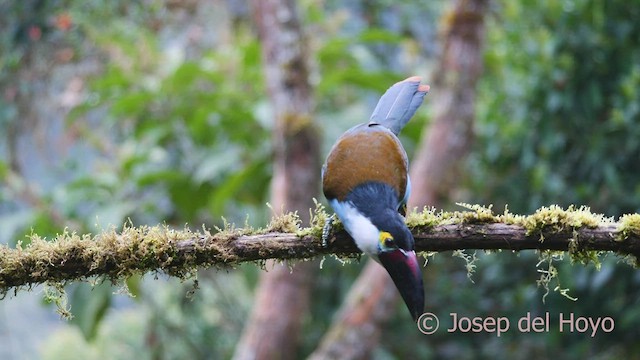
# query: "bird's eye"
[387,241]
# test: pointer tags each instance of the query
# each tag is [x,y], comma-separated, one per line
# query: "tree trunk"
[436,165]
[282,297]
[433,175]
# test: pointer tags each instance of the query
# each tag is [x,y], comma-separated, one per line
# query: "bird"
[365,179]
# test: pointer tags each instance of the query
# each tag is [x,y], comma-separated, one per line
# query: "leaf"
[131,104]
[250,176]
[134,285]
[214,166]
[379,35]
[4,169]
[89,305]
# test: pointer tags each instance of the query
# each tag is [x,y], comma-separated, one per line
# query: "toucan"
[366,181]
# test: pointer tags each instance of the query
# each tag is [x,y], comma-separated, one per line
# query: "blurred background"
[157,111]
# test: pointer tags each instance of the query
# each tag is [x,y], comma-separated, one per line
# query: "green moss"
[629,225]
[478,215]
[549,274]
[556,219]
[286,223]
[318,216]
[428,217]
[552,219]
[230,231]
[470,262]
[511,219]
[582,256]
[54,293]
[295,123]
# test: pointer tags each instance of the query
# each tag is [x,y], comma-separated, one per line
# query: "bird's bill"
[405,272]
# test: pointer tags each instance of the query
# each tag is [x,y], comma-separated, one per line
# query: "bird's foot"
[326,229]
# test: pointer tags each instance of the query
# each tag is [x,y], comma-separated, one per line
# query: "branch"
[117,255]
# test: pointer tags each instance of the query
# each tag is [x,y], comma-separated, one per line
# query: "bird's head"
[395,251]
[369,214]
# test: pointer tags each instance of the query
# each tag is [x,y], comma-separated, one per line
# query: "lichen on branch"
[115,255]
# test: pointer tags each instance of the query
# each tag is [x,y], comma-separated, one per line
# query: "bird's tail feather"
[398,104]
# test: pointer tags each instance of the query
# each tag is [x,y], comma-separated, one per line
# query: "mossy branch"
[116,255]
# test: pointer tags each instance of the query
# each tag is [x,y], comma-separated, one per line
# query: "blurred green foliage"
[181,134]
[558,115]
[559,107]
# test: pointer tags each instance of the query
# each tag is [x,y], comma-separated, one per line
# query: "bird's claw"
[326,230]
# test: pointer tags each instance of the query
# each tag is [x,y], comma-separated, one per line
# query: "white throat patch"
[359,227]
